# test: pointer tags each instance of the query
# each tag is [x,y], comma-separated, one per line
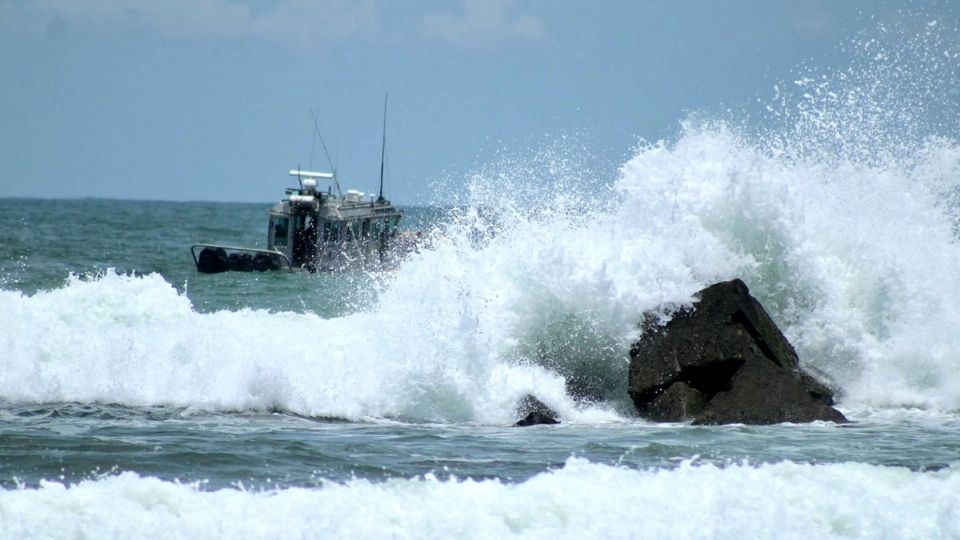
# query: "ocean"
[141,399]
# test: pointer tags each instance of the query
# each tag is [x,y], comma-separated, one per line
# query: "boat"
[312,229]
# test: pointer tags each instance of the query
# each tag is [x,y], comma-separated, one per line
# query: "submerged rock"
[724,361]
[532,412]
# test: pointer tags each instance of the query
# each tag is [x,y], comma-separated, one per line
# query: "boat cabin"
[325,230]
[313,229]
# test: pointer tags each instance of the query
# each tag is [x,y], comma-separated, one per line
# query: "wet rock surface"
[533,412]
[724,361]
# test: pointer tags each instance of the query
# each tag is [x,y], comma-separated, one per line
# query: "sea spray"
[852,264]
[536,283]
[136,341]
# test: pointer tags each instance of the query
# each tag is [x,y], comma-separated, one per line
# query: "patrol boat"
[312,229]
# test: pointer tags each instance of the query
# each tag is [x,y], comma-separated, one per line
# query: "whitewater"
[584,499]
[139,399]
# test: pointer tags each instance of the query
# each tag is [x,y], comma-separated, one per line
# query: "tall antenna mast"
[383,146]
[317,134]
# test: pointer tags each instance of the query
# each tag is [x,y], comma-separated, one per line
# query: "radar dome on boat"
[309,184]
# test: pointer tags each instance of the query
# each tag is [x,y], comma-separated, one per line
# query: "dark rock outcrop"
[724,361]
[533,412]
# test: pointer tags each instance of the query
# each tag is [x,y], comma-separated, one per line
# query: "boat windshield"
[280,228]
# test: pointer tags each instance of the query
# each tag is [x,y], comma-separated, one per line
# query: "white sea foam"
[841,218]
[135,340]
[581,500]
[856,263]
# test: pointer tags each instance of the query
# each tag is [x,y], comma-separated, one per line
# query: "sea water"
[139,398]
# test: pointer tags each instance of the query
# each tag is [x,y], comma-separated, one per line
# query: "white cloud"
[477,24]
[302,21]
[483,24]
[307,21]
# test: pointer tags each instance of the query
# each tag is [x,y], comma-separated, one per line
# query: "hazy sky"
[210,99]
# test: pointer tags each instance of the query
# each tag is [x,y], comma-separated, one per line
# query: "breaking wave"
[839,210]
[581,500]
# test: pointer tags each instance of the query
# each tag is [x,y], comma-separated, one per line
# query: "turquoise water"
[261,450]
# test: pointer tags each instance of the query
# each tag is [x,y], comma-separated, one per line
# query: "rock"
[534,412]
[724,361]
[677,402]
[760,394]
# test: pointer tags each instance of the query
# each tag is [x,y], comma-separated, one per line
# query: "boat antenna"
[383,146]
[316,132]
[313,143]
[299,178]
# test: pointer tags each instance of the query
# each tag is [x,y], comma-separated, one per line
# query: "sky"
[211,100]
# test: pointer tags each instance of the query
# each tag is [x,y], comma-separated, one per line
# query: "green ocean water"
[47,240]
